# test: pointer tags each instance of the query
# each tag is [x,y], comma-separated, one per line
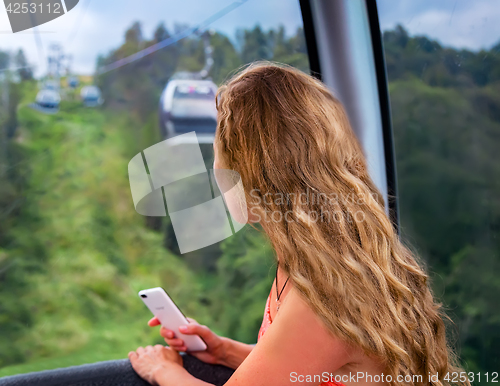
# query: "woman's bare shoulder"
[300,313]
[296,343]
[326,343]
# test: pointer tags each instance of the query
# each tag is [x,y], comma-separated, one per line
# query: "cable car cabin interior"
[99,130]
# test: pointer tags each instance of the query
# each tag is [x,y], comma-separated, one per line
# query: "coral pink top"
[266,322]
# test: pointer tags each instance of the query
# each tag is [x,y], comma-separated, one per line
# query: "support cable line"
[164,43]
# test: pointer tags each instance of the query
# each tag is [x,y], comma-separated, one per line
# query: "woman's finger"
[175,342]
[154,322]
[166,333]
[178,348]
[196,329]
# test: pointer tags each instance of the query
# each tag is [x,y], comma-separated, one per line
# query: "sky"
[95,26]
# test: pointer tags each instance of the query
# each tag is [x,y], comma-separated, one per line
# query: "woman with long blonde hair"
[351,304]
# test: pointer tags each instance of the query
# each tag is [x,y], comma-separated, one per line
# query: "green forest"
[74,253]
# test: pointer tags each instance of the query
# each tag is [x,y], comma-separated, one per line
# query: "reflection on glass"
[73,250]
[443,63]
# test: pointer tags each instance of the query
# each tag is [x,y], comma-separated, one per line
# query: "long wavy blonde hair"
[288,137]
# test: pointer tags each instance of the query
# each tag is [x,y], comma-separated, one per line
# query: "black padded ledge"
[112,373]
[118,372]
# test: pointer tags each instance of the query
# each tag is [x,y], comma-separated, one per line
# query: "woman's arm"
[168,373]
[177,376]
[235,352]
[296,344]
[220,350]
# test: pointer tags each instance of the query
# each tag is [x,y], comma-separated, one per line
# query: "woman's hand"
[149,362]
[216,351]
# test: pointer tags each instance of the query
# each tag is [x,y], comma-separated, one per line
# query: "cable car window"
[193,92]
[186,125]
[443,67]
[80,96]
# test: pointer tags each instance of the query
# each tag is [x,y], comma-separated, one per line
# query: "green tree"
[24,71]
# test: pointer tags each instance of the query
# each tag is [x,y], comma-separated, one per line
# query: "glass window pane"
[81,96]
[443,65]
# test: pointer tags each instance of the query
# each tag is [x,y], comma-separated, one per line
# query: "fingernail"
[183,328]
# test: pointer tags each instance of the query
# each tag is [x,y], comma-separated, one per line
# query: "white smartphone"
[170,316]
